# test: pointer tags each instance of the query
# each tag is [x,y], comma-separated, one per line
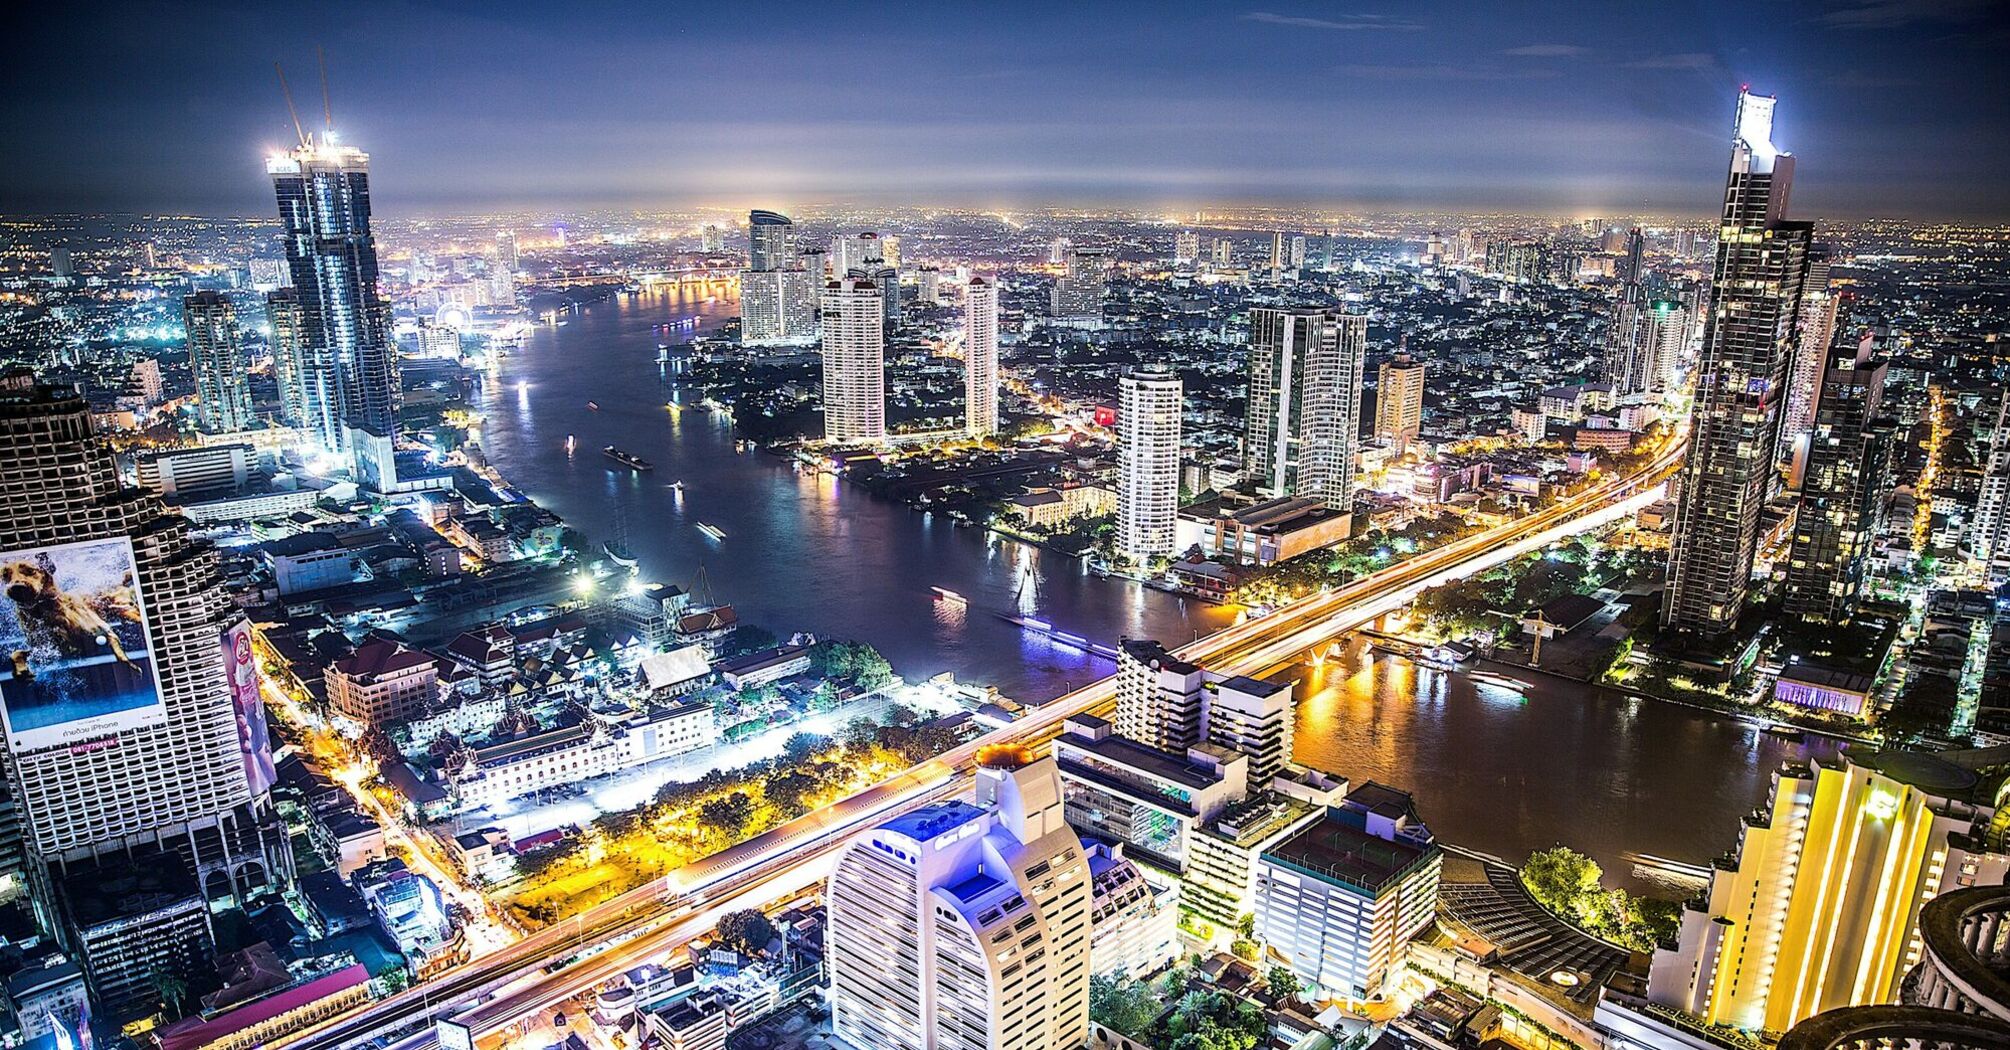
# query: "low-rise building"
[765,666]
[382,683]
[1136,922]
[1257,533]
[1150,800]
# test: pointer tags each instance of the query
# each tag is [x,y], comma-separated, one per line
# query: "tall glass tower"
[349,367]
[1741,382]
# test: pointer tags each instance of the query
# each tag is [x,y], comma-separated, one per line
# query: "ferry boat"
[627,459]
[948,595]
[593,406]
[678,484]
[619,554]
[1785,731]
[570,444]
[713,531]
[1500,681]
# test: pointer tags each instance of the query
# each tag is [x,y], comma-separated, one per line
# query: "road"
[489,993]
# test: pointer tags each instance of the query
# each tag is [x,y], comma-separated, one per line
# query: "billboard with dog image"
[75,662]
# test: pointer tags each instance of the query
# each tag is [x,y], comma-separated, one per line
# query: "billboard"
[75,663]
[253,739]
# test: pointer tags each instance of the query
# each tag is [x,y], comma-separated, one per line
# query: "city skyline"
[1557,111]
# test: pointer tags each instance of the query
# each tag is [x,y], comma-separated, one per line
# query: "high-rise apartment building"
[887,280]
[1670,322]
[771,240]
[778,296]
[966,925]
[1843,489]
[1159,696]
[1186,248]
[1078,294]
[712,239]
[1224,251]
[1819,908]
[1251,717]
[855,251]
[1989,536]
[1741,382]
[1815,325]
[1630,342]
[854,363]
[349,364]
[148,734]
[289,367]
[216,357]
[980,358]
[928,285]
[1303,411]
[1149,403]
[1399,401]
[1297,251]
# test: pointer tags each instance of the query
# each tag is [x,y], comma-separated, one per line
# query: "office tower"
[1816,323]
[1303,410]
[289,369]
[854,336]
[855,251]
[1078,294]
[216,357]
[1148,430]
[1819,907]
[712,239]
[1159,696]
[60,266]
[1989,536]
[1251,717]
[161,744]
[1186,248]
[1842,490]
[928,285]
[1148,798]
[1748,342]
[771,240]
[1465,246]
[1434,249]
[1224,251]
[1057,252]
[1668,321]
[980,358]
[1629,343]
[965,925]
[1631,268]
[1399,401]
[1297,251]
[506,250]
[437,340]
[1340,898]
[350,368]
[1224,854]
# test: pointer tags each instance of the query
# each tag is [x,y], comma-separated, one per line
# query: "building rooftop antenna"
[294,113]
[327,111]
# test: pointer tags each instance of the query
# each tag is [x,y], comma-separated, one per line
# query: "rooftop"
[927,822]
[1335,850]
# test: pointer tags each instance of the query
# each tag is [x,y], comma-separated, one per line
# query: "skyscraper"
[216,357]
[1989,536]
[170,748]
[289,369]
[712,239]
[855,251]
[1303,410]
[1669,321]
[1842,489]
[1630,342]
[1748,343]
[854,338]
[1149,401]
[1078,294]
[1224,251]
[887,280]
[1186,248]
[771,240]
[980,358]
[349,365]
[1816,325]
[1159,696]
[1399,401]
[965,925]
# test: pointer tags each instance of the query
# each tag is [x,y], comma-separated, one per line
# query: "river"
[1612,776]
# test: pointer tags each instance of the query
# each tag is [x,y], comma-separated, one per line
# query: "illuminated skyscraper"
[712,239]
[778,297]
[854,343]
[1297,251]
[980,358]
[1078,294]
[1842,490]
[1818,908]
[289,370]
[1630,342]
[855,251]
[1303,410]
[1224,251]
[771,240]
[1149,402]
[1748,343]
[1989,536]
[1669,320]
[216,357]
[1186,248]
[349,365]
[965,925]
[1817,324]
[1399,401]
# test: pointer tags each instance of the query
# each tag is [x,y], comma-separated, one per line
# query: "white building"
[579,753]
[1399,401]
[1149,400]
[965,925]
[1989,537]
[1159,696]
[1148,799]
[1186,248]
[777,307]
[854,339]
[1136,923]
[980,358]
[1252,717]
[216,357]
[1304,402]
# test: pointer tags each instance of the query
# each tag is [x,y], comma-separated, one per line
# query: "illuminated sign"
[1881,805]
[79,666]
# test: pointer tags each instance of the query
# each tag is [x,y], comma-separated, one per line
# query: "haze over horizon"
[1368,106]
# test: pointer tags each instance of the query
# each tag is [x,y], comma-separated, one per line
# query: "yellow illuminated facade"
[1819,908]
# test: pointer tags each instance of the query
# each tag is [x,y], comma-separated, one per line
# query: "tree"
[1282,981]
[1124,1006]
[727,813]
[1561,879]
[171,987]
[746,932]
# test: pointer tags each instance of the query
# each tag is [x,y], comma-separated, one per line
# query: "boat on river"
[627,459]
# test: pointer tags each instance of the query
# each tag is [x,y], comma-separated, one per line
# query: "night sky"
[1896,107]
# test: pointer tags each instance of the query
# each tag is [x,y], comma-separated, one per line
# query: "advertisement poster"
[252,736]
[75,666]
